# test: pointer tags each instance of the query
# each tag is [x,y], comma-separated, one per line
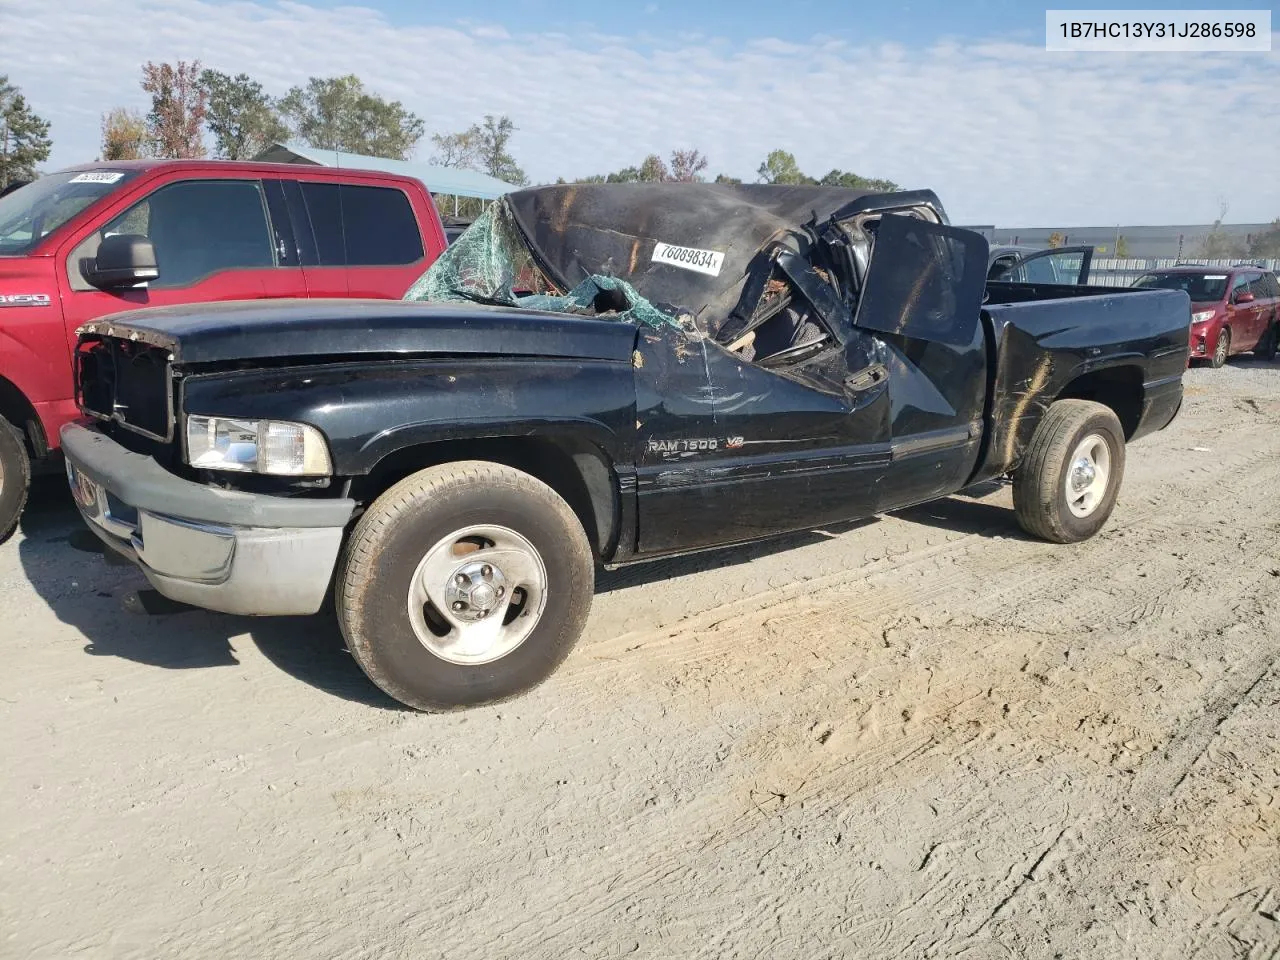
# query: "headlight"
[257,446]
[1202,316]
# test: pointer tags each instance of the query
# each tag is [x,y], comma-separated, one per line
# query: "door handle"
[873,376]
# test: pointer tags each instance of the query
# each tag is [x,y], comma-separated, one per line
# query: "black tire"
[1039,483]
[1221,350]
[15,478]
[1266,347]
[399,530]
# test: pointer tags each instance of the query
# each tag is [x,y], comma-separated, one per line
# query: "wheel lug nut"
[459,605]
[486,571]
[501,590]
[460,579]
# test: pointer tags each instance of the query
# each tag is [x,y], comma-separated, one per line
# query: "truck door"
[731,451]
[1059,265]
[923,299]
[213,240]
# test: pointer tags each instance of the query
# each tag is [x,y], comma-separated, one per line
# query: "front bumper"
[224,550]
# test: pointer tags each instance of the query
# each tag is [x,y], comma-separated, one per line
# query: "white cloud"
[1005,132]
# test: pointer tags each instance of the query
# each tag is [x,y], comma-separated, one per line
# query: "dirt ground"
[920,736]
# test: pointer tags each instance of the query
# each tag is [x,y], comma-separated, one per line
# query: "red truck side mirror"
[123,260]
[1243,296]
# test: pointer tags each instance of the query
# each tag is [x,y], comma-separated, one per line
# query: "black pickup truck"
[599,375]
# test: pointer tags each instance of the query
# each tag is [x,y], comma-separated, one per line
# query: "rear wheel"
[1223,349]
[1067,484]
[464,584]
[15,478]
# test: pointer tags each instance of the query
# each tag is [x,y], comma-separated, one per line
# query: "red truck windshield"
[31,213]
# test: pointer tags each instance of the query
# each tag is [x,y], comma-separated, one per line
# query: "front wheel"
[1067,484]
[15,478]
[464,584]
[1223,349]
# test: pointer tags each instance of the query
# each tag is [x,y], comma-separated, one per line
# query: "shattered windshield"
[31,213]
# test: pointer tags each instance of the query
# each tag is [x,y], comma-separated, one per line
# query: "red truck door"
[213,238]
[368,241]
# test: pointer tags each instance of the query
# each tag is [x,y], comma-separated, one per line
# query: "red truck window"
[362,226]
[198,228]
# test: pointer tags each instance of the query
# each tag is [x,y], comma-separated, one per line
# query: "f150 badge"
[24,300]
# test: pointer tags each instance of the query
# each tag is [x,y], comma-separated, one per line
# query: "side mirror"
[1243,297]
[123,260]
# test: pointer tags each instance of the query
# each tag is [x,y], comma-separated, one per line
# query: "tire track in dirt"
[945,724]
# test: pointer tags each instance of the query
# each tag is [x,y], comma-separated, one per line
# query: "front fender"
[368,411]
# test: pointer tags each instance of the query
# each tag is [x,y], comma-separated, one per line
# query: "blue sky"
[957,96]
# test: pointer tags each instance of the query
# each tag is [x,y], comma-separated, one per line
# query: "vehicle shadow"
[119,615]
[716,558]
[967,513]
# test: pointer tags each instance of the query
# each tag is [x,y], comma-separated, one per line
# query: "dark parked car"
[600,374]
[1057,265]
[1232,310]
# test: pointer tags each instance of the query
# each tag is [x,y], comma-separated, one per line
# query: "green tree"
[24,137]
[456,149]
[492,138]
[337,113]
[853,181]
[244,121]
[124,135]
[176,121]
[1056,239]
[725,178]
[1122,248]
[781,167]
[1267,243]
[654,170]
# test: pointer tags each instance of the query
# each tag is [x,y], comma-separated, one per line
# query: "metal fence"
[1112,272]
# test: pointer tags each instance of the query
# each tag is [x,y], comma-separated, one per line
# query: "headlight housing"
[1200,316]
[274,447]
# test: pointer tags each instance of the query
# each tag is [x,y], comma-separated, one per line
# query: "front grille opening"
[126,381]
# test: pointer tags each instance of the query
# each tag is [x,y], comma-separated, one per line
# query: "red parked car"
[1233,310]
[100,238]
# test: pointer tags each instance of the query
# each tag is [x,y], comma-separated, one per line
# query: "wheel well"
[1119,388]
[580,472]
[17,409]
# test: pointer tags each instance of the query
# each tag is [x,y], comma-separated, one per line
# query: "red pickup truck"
[96,239]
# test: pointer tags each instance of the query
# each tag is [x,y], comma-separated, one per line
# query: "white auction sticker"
[97,176]
[689,258]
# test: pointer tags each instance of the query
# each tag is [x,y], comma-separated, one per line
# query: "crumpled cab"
[600,375]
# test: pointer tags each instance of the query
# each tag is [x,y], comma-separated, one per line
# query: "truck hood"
[287,329]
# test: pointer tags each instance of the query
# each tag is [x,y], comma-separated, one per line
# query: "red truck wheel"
[15,477]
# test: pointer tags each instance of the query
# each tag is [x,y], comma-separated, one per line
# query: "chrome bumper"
[192,550]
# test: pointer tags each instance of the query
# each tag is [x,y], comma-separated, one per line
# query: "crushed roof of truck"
[678,253]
